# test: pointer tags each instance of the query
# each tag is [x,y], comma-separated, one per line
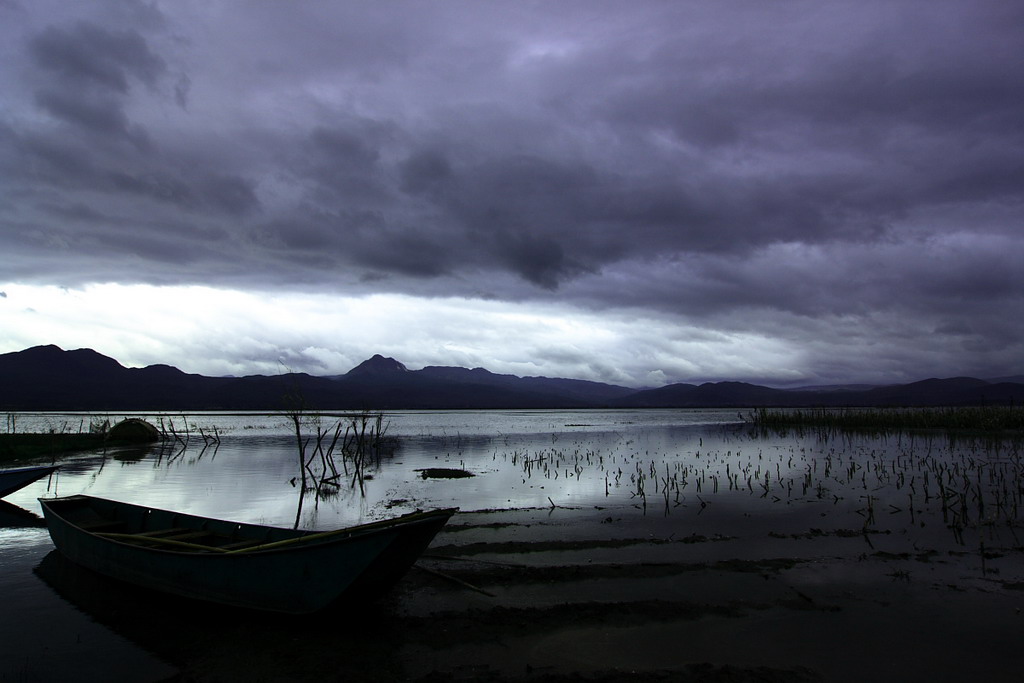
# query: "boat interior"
[168,530]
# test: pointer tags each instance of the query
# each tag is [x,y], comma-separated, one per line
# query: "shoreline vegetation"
[955,421]
[15,446]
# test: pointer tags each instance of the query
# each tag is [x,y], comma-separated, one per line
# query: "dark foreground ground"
[566,596]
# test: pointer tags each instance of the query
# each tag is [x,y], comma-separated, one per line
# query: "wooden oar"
[289,541]
[139,538]
[355,530]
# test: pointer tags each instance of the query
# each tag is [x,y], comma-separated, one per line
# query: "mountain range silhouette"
[50,378]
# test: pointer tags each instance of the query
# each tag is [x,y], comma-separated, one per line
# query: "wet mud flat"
[580,595]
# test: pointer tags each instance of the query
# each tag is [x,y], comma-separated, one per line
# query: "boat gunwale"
[294,542]
[14,470]
[23,476]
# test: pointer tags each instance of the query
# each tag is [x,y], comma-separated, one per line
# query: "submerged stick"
[449,577]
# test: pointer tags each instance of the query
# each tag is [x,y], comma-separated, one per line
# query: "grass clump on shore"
[977,419]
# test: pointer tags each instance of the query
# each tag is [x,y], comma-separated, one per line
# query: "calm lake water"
[655,473]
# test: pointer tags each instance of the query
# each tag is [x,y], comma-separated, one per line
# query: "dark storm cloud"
[405,253]
[424,171]
[60,164]
[342,163]
[93,54]
[104,116]
[229,194]
[695,159]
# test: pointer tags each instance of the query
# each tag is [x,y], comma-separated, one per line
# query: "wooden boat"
[13,480]
[244,565]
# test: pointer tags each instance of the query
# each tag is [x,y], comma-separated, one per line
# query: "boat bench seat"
[200,537]
[152,533]
[99,524]
[183,535]
[247,543]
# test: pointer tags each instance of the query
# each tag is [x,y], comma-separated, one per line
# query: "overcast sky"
[634,192]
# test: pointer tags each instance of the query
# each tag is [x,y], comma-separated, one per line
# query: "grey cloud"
[406,254]
[75,211]
[158,185]
[87,70]
[341,163]
[69,165]
[350,148]
[538,259]
[95,54]
[48,161]
[300,237]
[158,250]
[229,194]
[182,88]
[97,114]
[354,241]
[424,171]
[105,116]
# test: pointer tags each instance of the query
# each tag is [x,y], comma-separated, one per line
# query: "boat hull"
[16,479]
[288,571]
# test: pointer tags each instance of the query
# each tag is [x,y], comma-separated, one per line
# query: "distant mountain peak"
[41,350]
[377,365]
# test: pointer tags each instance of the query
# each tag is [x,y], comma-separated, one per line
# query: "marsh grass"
[988,420]
[969,482]
[333,449]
